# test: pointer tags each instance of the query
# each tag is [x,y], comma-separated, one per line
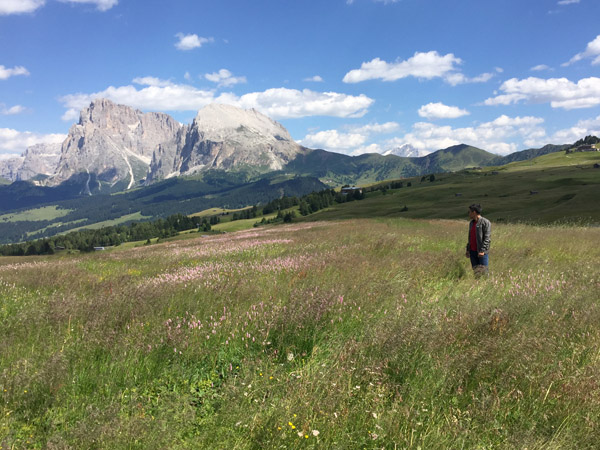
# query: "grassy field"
[368,333]
[108,223]
[38,214]
[566,189]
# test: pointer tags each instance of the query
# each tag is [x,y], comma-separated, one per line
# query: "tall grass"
[353,334]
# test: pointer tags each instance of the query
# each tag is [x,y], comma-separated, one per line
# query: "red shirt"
[473,237]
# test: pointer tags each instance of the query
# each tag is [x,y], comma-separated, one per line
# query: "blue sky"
[351,76]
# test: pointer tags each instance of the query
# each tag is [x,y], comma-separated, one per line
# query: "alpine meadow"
[340,224]
[333,332]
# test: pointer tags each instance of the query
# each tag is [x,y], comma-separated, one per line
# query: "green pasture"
[38,214]
[561,193]
[108,223]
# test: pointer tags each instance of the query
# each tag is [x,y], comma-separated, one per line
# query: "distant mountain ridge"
[37,160]
[115,147]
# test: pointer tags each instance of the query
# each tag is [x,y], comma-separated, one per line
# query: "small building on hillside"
[351,190]
[583,148]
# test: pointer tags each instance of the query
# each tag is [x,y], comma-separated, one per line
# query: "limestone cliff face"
[115,147]
[227,138]
[9,168]
[38,159]
[113,142]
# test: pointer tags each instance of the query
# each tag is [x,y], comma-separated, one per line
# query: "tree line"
[86,240]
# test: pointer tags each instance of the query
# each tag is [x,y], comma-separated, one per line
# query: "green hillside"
[565,188]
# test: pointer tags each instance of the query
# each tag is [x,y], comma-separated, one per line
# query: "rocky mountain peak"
[228,138]
[405,150]
[219,121]
[114,143]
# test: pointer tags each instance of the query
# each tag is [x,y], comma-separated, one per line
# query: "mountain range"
[227,157]
[115,147]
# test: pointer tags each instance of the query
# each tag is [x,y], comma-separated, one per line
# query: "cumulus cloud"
[286,103]
[502,135]
[19,6]
[15,142]
[351,140]
[190,41]
[13,110]
[441,111]
[583,128]
[333,140]
[278,103]
[559,92]
[6,72]
[421,65]
[224,78]
[592,51]
[315,79]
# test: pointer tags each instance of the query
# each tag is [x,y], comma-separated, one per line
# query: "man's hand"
[481,254]
[467,254]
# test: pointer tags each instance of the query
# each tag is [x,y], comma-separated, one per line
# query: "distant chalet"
[582,148]
[351,190]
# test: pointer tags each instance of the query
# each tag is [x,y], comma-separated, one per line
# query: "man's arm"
[487,236]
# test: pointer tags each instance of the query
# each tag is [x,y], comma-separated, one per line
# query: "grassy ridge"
[566,189]
[342,334]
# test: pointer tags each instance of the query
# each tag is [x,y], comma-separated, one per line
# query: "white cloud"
[191,41]
[19,6]
[502,136]
[559,92]
[580,130]
[152,81]
[13,110]
[315,79]
[441,111]
[421,65]
[224,78]
[291,103]
[351,141]
[591,51]
[540,68]
[101,5]
[278,103]
[458,78]
[6,72]
[333,140]
[376,128]
[494,136]
[568,2]
[15,142]
[187,76]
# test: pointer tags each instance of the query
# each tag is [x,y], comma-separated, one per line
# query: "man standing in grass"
[478,245]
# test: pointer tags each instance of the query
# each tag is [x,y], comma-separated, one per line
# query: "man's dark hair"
[476,207]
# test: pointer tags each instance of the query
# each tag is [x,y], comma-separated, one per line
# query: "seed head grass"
[350,334]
